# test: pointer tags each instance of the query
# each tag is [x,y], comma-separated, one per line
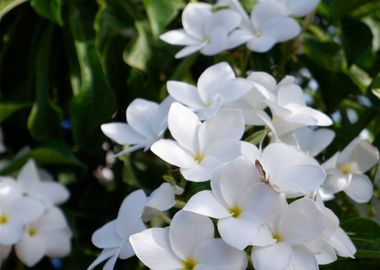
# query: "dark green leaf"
[49,9]
[161,13]
[361,228]
[356,39]
[340,8]
[7,109]
[45,119]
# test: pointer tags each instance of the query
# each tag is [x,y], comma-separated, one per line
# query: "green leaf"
[161,13]
[139,55]
[361,228]
[49,153]
[340,8]
[8,108]
[8,5]
[356,39]
[93,103]
[44,121]
[49,9]
[375,86]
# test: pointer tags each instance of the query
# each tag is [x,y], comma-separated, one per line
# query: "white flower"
[49,235]
[113,236]
[345,171]
[296,8]
[289,111]
[16,211]
[34,186]
[287,170]
[239,201]
[299,223]
[216,87]
[188,244]
[204,30]
[147,121]
[200,147]
[267,26]
[161,199]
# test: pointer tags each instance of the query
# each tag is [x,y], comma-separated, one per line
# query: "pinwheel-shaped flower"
[49,235]
[217,86]
[199,148]
[267,26]
[240,202]
[204,30]
[345,171]
[147,121]
[299,223]
[188,244]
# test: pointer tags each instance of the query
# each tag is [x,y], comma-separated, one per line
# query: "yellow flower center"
[32,231]
[4,219]
[346,168]
[277,236]
[198,158]
[235,211]
[189,264]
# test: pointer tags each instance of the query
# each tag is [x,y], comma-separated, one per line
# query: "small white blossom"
[345,171]
[200,147]
[188,244]
[204,30]
[147,121]
[217,86]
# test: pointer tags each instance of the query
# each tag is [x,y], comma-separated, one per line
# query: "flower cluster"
[212,29]
[30,219]
[265,196]
[250,186]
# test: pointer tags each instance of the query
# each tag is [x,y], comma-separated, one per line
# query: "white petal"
[273,257]
[363,153]
[130,212]
[30,250]
[261,44]
[140,113]
[264,237]
[218,42]
[11,232]
[216,254]
[178,37]
[303,259]
[234,89]
[27,210]
[204,203]
[162,198]
[104,255]
[320,118]
[300,222]
[194,17]
[265,11]
[238,37]
[51,192]
[225,18]
[282,28]
[293,180]
[121,133]
[227,124]
[172,153]
[187,231]
[342,244]
[201,172]
[335,182]
[239,232]
[322,250]
[300,8]
[184,125]
[314,142]
[159,121]
[189,50]
[106,236]
[290,94]
[152,247]
[58,243]
[28,176]
[264,79]
[212,77]
[360,188]
[185,93]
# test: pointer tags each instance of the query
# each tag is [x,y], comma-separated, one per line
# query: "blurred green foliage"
[67,66]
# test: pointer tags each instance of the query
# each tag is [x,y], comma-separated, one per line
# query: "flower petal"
[360,188]
[28,176]
[185,93]
[194,17]
[303,259]
[187,231]
[153,248]
[178,37]
[204,203]
[172,153]
[273,257]
[106,236]
[140,114]
[122,133]
[30,250]
[104,255]
[239,232]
